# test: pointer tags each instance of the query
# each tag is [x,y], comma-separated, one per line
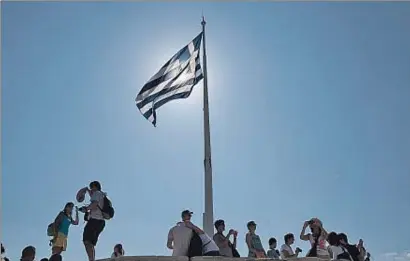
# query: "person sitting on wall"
[273,252]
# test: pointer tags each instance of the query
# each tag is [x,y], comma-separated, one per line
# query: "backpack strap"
[207,243]
[103,198]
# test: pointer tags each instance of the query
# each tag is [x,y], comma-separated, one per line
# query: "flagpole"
[208,217]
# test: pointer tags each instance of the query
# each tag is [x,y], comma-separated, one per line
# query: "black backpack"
[345,255]
[195,246]
[107,209]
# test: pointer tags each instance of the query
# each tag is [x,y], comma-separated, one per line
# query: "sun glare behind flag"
[175,80]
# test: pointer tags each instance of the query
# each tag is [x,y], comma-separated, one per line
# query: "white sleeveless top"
[321,246]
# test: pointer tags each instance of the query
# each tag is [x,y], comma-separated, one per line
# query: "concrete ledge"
[199,258]
[217,258]
[147,258]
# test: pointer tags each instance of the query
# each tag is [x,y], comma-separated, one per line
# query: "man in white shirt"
[286,250]
[96,223]
[179,236]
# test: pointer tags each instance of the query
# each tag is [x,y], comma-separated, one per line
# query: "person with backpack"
[96,213]
[336,250]
[353,250]
[59,228]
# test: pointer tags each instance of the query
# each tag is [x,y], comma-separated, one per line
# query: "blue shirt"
[65,224]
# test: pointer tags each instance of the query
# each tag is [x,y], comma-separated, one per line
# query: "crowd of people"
[187,239]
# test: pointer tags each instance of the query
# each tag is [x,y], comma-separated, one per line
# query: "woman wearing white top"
[209,247]
[336,250]
[317,238]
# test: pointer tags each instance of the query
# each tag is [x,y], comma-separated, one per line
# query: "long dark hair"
[65,208]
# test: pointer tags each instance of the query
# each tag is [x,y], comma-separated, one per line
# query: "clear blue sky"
[309,108]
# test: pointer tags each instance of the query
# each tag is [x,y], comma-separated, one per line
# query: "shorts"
[60,241]
[92,231]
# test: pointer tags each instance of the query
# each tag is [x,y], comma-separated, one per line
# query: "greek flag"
[175,80]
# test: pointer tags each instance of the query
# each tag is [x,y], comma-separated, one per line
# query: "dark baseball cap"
[186,212]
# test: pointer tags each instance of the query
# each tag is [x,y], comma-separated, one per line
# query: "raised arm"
[190,225]
[221,241]
[235,235]
[75,221]
[303,235]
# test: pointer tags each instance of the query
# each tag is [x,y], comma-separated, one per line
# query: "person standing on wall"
[61,225]
[95,219]
[254,242]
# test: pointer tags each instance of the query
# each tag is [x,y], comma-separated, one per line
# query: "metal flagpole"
[209,208]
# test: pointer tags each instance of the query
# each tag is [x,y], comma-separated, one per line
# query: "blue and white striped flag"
[175,80]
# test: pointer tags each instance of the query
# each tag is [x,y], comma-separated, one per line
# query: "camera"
[82,209]
[299,250]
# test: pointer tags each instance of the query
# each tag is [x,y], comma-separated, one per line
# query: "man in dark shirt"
[352,249]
